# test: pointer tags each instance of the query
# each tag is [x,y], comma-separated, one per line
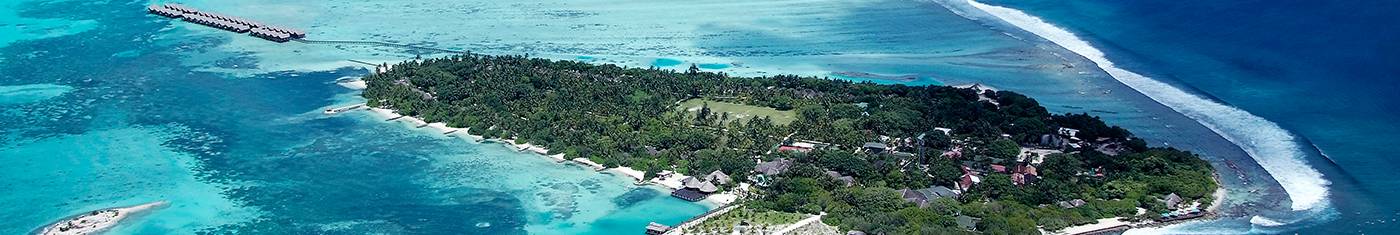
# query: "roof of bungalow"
[791,148]
[845,180]
[718,176]
[875,145]
[937,192]
[658,228]
[708,187]
[1172,200]
[910,195]
[968,222]
[777,166]
[998,168]
[691,182]
[967,180]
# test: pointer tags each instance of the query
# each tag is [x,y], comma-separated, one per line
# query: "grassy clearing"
[739,111]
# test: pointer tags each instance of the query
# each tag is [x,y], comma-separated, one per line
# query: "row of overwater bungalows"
[235,24]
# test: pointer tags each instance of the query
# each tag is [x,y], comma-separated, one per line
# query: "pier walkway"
[378,43]
[343,109]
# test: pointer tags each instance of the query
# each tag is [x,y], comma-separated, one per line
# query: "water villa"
[229,23]
[657,229]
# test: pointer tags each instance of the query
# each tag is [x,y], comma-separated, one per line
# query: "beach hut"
[708,188]
[691,182]
[718,177]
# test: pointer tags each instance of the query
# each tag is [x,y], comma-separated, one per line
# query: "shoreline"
[713,201]
[97,221]
[1117,223]
[1301,183]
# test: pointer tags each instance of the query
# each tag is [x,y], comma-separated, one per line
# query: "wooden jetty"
[343,109]
[228,23]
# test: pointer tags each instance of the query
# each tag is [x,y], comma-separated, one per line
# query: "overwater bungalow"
[229,23]
[162,11]
[657,229]
[688,194]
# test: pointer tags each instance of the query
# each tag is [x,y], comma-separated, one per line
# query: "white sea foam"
[1260,220]
[1270,145]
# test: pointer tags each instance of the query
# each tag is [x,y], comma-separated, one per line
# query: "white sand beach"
[1101,224]
[97,221]
[558,157]
[669,179]
[589,163]
[722,198]
[629,172]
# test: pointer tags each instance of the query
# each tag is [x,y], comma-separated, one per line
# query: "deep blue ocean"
[1328,71]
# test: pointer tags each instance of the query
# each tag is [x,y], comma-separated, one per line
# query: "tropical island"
[879,159]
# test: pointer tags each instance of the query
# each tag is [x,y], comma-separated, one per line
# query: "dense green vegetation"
[630,117]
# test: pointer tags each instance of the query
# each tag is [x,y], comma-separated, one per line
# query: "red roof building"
[792,148]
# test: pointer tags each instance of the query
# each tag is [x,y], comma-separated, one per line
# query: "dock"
[227,23]
[343,109]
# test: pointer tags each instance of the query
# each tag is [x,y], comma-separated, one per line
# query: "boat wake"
[1274,148]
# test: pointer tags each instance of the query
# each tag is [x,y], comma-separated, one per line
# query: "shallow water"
[140,109]
[245,109]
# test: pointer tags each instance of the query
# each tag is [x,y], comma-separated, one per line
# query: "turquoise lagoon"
[239,114]
[140,109]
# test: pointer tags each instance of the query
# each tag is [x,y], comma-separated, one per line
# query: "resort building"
[228,23]
[923,196]
[847,181]
[1172,200]
[657,229]
[875,147]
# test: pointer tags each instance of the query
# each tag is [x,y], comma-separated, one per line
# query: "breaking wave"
[1270,145]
